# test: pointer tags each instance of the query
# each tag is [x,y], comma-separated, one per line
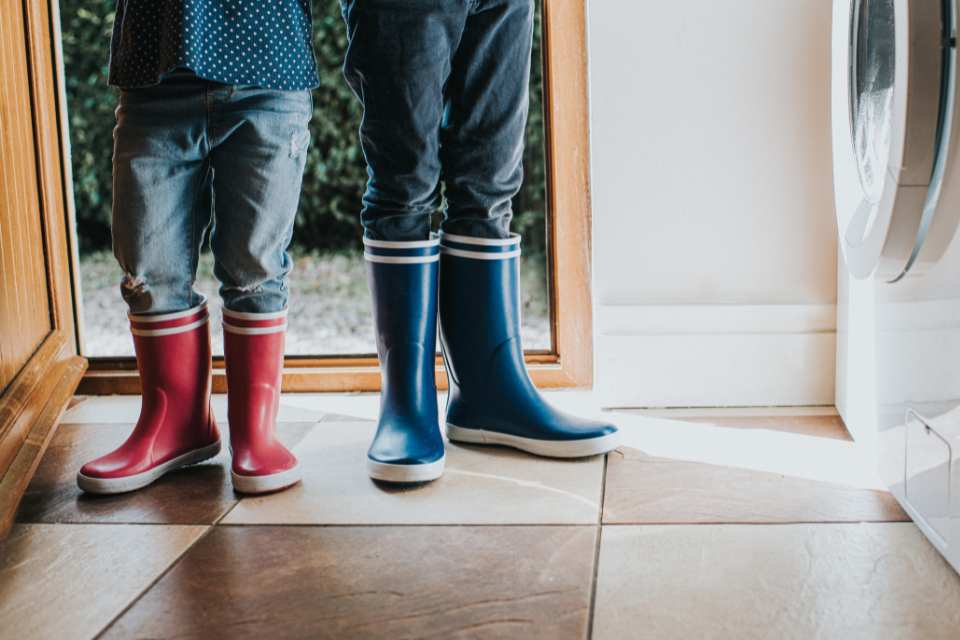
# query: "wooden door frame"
[31,405]
[569,361]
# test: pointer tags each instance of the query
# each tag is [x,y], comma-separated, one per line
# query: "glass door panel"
[330,306]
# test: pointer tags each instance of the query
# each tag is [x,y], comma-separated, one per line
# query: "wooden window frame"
[569,361]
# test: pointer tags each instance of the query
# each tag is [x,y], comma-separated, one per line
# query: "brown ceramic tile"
[831,427]
[196,495]
[70,581]
[791,582]
[814,422]
[643,489]
[373,582]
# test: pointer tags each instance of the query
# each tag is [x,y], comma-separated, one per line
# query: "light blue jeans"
[192,156]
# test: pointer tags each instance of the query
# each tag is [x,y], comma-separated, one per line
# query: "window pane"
[330,306]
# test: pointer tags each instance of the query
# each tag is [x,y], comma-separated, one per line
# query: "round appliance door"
[894,78]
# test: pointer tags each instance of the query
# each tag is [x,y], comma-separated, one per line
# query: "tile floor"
[705,524]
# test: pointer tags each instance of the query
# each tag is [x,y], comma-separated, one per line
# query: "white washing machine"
[896,143]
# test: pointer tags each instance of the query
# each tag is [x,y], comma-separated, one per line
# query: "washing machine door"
[894,79]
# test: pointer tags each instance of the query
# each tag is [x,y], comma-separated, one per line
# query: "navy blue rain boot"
[492,398]
[408,446]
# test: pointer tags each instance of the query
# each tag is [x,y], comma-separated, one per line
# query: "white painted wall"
[715,257]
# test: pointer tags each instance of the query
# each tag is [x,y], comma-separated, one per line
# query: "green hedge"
[335,174]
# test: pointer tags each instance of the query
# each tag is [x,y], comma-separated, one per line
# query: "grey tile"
[480,486]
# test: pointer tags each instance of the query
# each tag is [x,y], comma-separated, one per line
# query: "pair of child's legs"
[444,87]
[191,156]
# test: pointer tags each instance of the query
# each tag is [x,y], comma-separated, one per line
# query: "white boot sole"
[386,472]
[266,484]
[106,486]
[546,448]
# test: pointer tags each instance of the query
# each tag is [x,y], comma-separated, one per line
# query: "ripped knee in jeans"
[256,287]
[135,291]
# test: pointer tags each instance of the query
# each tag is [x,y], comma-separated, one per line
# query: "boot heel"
[253,485]
[466,436]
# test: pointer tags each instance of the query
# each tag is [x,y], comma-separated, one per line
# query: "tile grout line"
[327,525]
[164,573]
[153,582]
[409,525]
[210,528]
[596,551]
[347,525]
[753,523]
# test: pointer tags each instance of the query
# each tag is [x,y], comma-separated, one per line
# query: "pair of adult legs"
[193,157]
[444,87]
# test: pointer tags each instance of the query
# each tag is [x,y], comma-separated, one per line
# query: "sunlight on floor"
[790,454]
[811,457]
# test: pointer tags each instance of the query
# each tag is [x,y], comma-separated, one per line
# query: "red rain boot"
[253,349]
[176,427]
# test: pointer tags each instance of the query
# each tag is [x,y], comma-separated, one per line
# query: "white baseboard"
[715,355]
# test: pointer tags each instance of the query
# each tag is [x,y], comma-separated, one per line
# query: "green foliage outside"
[335,173]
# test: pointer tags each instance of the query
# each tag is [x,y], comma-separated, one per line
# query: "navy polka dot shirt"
[266,43]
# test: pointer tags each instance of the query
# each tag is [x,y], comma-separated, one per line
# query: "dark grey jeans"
[444,88]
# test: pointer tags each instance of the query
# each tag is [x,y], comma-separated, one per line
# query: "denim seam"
[207,112]
[198,195]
